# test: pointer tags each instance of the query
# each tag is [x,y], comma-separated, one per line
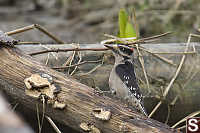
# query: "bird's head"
[121,52]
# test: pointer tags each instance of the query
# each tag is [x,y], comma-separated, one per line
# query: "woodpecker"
[122,80]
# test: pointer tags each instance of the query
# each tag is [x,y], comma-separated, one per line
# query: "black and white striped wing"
[126,73]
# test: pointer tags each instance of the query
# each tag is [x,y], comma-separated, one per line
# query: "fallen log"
[66,100]
[183,94]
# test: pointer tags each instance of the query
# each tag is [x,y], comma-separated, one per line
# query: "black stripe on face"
[126,57]
[112,48]
[126,50]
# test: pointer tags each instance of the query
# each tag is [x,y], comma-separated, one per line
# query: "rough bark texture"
[80,99]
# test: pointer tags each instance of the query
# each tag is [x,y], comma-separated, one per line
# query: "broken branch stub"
[6,40]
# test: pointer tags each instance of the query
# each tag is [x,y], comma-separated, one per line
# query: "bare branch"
[37,26]
[69,49]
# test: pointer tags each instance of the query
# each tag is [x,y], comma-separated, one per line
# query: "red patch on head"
[132,49]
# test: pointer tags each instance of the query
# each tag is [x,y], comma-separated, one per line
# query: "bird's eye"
[124,50]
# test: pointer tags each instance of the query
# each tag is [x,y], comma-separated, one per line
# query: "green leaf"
[130,31]
[122,20]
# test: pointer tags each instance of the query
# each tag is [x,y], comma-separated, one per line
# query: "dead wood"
[82,104]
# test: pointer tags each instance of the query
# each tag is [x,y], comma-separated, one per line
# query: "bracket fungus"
[37,85]
[102,114]
[87,127]
[42,84]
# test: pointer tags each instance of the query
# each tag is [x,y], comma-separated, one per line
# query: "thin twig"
[94,69]
[38,117]
[174,101]
[174,78]
[43,111]
[20,30]
[91,71]
[134,20]
[40,124]
[140,80]
[195,35]
[120,39]
[194,48]
[67,61]
[181,127]
[69,49]
[37,26]
[159,57]
[174,52]
[156,36]
[114,39]
[81,63]
[15,106]
[72,58]
[47,60]
[184,119]
[131,41]
[23,43]
[168,114]
[80,59]
[53,54]
[53,124]
[143,68]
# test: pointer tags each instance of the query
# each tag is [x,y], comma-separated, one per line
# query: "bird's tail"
[143,110]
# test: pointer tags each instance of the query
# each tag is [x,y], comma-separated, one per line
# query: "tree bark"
[81,101]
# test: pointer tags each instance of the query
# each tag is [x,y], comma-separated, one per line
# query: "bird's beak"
[111,47]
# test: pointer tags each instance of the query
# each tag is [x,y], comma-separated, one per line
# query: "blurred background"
[85,21]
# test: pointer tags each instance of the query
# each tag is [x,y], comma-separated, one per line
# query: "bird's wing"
[126,73]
